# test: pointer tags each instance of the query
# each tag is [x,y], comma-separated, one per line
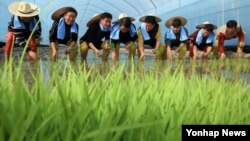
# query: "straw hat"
[95,19]
[24,9]
[142,19]
[123,15]
[206,23]
[169,22]
[60,12]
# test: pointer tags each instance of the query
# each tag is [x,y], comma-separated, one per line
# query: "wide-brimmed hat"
[95,19]
[123,15]
[24,9]
[143,18]
[169,22]
[61,11]
[205,23]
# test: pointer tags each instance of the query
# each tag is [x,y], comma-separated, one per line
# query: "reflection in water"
[234,69]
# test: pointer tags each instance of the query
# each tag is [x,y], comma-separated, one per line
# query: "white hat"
[157,19]
[206,23]
[24,9]
[123,15]
[169,22]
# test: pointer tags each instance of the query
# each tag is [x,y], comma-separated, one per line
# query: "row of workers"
[102,34]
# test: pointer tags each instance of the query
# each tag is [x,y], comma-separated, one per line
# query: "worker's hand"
[54,55]
[222,55]
[142,55]
[242,44]
[97,53]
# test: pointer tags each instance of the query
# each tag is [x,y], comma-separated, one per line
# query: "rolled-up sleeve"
[39,30]
[241,35]
[167,39]
[107,35]
[158,35]
[221,39]
[193,36]
[74,36]
[140,37]
[91,34]
[53,32]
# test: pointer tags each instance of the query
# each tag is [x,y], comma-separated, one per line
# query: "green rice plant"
[66,101]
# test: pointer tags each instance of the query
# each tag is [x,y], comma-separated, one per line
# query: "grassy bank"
[76,104]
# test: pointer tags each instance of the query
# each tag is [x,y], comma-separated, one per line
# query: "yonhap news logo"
[215,132]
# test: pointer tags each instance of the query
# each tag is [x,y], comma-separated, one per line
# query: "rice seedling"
[65,101]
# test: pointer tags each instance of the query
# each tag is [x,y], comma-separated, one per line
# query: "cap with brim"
[169,22]
[122,16]
[60,12]
[24,9]
[206,23]
[95,19]
[143,18]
